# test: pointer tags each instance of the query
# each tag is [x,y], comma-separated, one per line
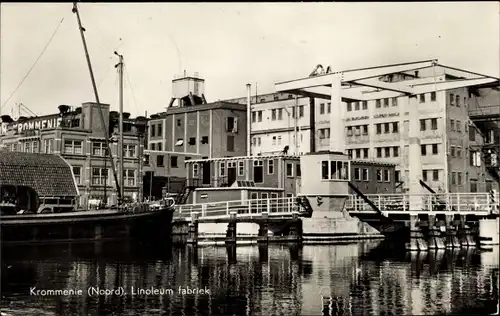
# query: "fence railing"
[458,202]
[256,207]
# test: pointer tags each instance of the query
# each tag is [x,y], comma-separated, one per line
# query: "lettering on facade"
[383,115]
[203,196]
[357,118]
[20,127]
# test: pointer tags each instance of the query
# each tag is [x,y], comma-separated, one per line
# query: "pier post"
[263,229]
[434,241]
[488,232]
[193,229]
[451,233]
[295,230]
[231,229]
[417,241]
[465,233]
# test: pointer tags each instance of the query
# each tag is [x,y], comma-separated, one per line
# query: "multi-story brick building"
[77,135]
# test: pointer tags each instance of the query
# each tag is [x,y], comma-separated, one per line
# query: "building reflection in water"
[352,279]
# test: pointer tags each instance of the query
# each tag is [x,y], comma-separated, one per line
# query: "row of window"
[362,174]
[386,151]
[231,126]
[335,170]
[179,142]
[74,147]
[386,102]
[276,140]
[277,114]
[100,176]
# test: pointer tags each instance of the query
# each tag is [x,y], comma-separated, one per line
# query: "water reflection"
[354,279]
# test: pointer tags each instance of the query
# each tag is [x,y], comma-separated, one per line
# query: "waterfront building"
[77,135]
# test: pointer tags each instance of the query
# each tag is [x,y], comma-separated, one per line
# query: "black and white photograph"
[249,158]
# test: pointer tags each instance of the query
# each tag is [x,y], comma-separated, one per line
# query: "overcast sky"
[229,45]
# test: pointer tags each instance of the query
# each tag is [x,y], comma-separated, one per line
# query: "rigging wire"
[36,61]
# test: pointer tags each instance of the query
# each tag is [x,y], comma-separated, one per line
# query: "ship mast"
[101,115]
[120,140]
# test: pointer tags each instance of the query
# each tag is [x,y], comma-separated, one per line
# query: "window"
[357,130]
[379,175]
[349,153]
[358,153]
[77,172]
[434,124]
[146,160]
[473,186]
[129,177]
[222,169]
[259,116]
[152,146]
[159,145]
[453,178]
[160,161]
[472,133]
[457,100]
[433,96]
[452,99]
[241,168]
[423,150]
[422,98]
[364,105]
[270,166]
[160,129]
[298,171]
[204,139]
[452,125]
[459,178]
[153,130]
[357,174]
[424,175]
[179,142]
[232,124]
[394,101]
[435,175]
[387,151]
[301,111]
[99,176]
[99,149]
[378,103]
[129,151]
[27,147]
[452,151]
[274,139]
[459,152]
[196,170]
[178,122]
[387,128]
[379,128]
[365,174]
[289,170]
[397,175]
[349,131]
[422,125]
[365,152]
[279,140]
[335,170]
[230,143]
[173,162]
[192,141]
[258,141]
[258,171]
[356,106]
[349,107]
[395,127]
[434,149]
[273,114]
[322,108]
[365,129]
[379,152]
[395,151]
[458,126]
[280,114]
[76,147]
[254,117]
[34,147]
[387,177]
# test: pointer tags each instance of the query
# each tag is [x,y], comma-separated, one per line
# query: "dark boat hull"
[87,226]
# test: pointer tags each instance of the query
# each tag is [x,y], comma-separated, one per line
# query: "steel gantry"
[364,85]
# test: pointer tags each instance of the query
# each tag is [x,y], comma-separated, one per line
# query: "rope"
[36,61]
[132,91]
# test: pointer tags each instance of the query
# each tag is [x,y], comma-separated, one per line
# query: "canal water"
[367,278]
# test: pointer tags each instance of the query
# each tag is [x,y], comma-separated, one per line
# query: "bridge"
[479,204]
[241,210]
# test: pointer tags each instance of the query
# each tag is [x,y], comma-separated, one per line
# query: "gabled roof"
[47,174]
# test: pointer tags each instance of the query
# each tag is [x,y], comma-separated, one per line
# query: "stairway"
[183,195]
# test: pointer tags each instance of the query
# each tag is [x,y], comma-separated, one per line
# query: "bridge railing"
[431,202]
[242,207]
